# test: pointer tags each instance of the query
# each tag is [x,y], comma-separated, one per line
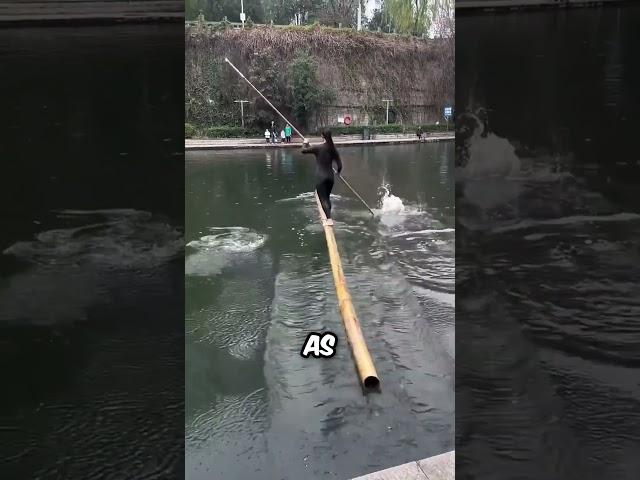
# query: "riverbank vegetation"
[312,73]
[192,131]
[415,17]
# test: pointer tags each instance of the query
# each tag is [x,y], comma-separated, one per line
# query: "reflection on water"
[91,272]
[546,255]
[69,269]
[259,281]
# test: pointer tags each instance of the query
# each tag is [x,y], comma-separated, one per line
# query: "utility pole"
[242,16]
[242,102]
[388,101]
[359,15]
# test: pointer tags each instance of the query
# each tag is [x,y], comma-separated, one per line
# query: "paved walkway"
[440,467]
[233,143]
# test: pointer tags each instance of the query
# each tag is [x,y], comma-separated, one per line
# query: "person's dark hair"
[326,134]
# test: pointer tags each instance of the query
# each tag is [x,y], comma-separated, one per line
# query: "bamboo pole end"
[371,382]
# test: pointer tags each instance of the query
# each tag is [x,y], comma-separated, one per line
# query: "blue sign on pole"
[448,111]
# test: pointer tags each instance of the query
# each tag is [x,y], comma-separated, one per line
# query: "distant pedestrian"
[267,135]
[282,136]
[287,133]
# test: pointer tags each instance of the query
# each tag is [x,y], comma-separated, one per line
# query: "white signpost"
[242,102]
[388,102]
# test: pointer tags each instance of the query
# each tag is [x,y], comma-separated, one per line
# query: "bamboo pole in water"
[364,364]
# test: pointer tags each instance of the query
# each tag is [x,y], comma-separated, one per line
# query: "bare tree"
[340,12]
[443,19]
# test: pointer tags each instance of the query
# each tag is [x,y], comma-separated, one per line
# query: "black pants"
[324,188]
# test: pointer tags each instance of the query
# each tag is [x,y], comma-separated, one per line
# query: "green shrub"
[305,88]
[393,128]
[386,129]
[189,131]
[438,128]
[231,132]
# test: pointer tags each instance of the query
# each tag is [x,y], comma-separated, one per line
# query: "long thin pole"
[356,193]
[364,364]
[294,128]
[264,98]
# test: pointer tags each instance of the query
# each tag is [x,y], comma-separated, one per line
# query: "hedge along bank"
[238,132]
[353,72]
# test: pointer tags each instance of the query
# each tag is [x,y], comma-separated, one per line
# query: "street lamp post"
[242,102]
[387,101]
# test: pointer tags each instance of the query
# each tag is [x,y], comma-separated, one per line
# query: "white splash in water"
[216,251]
[390,203]
[68,270]
[231,239]
[491,156]
[491,166]
[106,238]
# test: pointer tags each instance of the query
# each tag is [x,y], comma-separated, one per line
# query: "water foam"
[570,220]
[491,156]
[301,196]
[426,231]
[305,196]
[390,203]
[488,156]
[70,269]
[231,239]
[215,251]
[120,238]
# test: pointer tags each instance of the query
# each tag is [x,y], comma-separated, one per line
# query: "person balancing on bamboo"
[326,153]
